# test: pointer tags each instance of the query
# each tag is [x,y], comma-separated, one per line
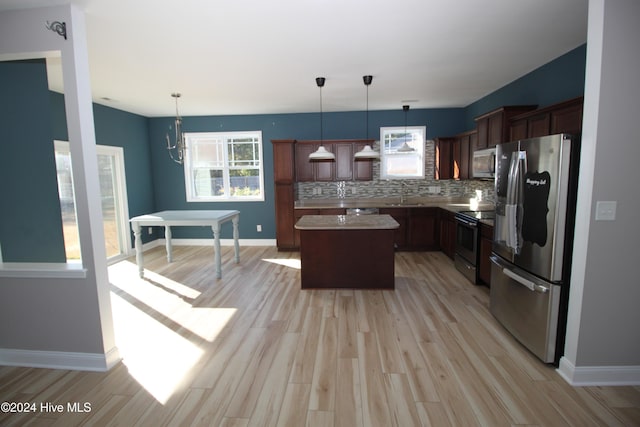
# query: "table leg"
[236,235]
[167,238]
[137,233]
[216,248]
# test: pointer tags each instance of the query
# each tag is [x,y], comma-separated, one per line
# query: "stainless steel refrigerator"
[536,181]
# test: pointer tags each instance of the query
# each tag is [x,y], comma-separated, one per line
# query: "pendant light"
[321,153]
[405,148]
[367,152]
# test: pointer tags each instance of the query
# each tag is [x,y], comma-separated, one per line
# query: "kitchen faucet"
[402,190]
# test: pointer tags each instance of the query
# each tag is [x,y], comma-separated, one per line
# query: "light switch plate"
[606,211]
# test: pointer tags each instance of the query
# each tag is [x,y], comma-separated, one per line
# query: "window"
[224,166]
[398,162]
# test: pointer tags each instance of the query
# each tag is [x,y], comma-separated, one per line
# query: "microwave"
[484,164]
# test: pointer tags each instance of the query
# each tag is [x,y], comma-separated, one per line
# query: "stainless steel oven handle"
[467,223]
[524,282]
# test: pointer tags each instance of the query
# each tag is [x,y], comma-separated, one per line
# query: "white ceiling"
[258,56]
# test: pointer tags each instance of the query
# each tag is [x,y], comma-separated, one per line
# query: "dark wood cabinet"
[362,169]
[447,232]
[418,228]
[401,217]
[444,158]
[344,168]
[283,164]
[463,155]
[564,117]
[344,162]
[567,117]
[422,231]
[484,261]
[304,168]
[284,194]
[494,127]
[284,179]
[454,156]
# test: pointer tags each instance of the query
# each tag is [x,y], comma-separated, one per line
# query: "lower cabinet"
[484,263]
[447,237]
[423,229]
[284,196]
[401,216]
[418,228]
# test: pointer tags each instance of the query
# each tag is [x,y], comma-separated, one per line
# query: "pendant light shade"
[367,153]
[321,153]
[405,148]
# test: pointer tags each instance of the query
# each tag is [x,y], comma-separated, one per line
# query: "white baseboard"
[60,359]
[598,375]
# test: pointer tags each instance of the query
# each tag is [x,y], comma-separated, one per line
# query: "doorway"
[115,209]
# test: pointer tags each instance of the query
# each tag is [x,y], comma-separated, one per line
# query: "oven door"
[467,239]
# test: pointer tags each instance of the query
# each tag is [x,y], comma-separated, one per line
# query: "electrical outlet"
[150,230]
[259,228]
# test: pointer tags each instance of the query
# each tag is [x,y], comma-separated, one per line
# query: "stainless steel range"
[466,254]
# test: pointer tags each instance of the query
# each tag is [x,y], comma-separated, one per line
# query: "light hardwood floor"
[253,349]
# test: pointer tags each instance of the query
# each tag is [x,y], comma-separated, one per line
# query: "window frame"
[419,153]
[191,138]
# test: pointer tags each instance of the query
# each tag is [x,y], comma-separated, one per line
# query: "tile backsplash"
[427,187]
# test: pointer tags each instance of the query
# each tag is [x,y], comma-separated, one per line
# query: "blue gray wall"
[30,227]
[556,81]
[30,220]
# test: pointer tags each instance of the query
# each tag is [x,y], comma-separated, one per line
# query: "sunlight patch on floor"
[287,262]
[154,321]
[171,299]
[157,357]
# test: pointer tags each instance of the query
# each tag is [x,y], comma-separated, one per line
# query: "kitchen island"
[347,251]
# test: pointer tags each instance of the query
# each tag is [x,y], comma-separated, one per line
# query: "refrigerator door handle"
[524,282]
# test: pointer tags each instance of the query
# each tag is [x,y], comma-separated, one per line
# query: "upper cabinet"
[454,155]
[283,161]
[493,127]
[444,158]
[564,117]
[344,168]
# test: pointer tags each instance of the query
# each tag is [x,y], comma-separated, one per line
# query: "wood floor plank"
[323,384]
[254,374]
[347,327]
[427,353]
[305,360]
[375,407]
[401,405]
[266,410]
[348,394]
[295,405]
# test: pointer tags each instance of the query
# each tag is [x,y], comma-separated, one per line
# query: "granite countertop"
[347,222]
[452,204]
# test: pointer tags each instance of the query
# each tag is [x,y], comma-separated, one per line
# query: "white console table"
[166,219]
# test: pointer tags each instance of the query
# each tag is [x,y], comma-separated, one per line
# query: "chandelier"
[177,149]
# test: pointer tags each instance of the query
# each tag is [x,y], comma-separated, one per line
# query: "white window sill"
[42,270]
